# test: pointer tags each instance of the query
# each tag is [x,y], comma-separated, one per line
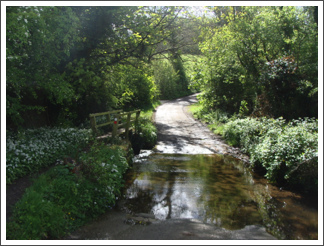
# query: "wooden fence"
[117,118]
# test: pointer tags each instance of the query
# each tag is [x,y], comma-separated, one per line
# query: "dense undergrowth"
[70,194]
[287,152]
[29,150]
[84,183]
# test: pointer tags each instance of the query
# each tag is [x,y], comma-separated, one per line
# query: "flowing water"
[218,190]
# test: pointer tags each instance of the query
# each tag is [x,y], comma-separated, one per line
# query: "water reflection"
[215,189]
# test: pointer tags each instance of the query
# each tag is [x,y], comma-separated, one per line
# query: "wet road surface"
[179,133]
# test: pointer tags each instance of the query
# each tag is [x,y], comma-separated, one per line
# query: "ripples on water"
[215,189]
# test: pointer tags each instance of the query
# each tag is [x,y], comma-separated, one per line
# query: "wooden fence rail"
[119,121]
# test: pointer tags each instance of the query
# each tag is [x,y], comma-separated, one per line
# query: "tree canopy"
[66,62]
[70,61]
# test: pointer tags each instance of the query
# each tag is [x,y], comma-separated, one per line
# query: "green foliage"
[36,218]
[170,76]
[245,133]
[195,78]
[57,67]
[184,37]
[38,39]
[206,115]
[67,196]
[138,86]
[165,78]
[285,92]
[144,135]
[215,119]
[281,153]
[29,150]
[244,110]
[264,56]
[288,152]
[105,166]
[182,80]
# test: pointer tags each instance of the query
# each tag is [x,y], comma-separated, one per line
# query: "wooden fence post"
[137,116]
[115,126]
[127,125]
[108,118]
[93,124]
[118,117]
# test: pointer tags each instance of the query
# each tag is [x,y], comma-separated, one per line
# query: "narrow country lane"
[180,133]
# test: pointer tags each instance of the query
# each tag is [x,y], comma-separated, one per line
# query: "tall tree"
[65,59]
[240,49]
[38,39]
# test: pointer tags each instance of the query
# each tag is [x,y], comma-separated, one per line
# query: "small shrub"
[144,136]
[282,152]
[105,165]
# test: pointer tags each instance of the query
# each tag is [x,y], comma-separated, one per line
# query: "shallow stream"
[218,190]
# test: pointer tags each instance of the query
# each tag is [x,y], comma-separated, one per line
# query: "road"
[180,133]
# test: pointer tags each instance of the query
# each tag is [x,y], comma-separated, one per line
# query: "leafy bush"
[245,132]
[144,135]
[280,148]
[282,152]
[137,87]
[34,217]
[104,166]
[31,149]
[69,195]
[233,131]
[286,92]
